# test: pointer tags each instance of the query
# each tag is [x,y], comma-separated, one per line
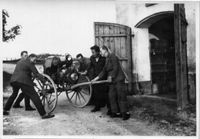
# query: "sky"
[56,27]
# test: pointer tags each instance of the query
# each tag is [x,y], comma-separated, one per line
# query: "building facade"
[159,34]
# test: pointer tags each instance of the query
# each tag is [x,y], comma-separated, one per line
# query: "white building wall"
[190,9]
[143,58]
[130,13]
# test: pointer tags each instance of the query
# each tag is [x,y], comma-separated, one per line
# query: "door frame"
[180,37]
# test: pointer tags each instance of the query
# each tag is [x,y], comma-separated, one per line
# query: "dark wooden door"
[118,39]
[180,30]
[162,56]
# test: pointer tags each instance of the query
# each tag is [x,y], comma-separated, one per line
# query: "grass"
[163,114]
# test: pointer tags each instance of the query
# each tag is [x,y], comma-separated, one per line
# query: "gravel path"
[69,120]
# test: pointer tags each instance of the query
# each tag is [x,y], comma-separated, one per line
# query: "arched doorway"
[179,50]
[162,56]
[162,52]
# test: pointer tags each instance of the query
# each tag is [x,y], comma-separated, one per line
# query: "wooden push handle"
[86,83]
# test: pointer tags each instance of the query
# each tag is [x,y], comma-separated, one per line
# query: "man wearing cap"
[22,79]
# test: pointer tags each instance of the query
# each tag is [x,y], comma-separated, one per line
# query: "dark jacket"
[84,64]
[96,66]
[113,68]
[23,71]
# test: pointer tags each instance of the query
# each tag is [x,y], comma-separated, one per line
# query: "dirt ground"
[69,120]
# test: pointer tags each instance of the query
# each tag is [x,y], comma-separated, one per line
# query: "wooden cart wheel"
[80,96]
[47,92]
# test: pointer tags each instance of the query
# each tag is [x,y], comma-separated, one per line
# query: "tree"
[9,34]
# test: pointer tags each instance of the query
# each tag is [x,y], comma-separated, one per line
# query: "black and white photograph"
[102,68]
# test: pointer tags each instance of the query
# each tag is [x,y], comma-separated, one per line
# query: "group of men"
[103,65]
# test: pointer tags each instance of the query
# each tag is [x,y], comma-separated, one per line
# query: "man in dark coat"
[24,55]
[22,79]
[100,91]
[84,63]
[115,74]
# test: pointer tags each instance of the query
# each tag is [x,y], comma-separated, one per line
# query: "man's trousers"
[118,98]
[28,91]
[100,95]
[20,98]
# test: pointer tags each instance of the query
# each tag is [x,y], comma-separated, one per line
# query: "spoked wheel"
[47,93]
[80,96]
